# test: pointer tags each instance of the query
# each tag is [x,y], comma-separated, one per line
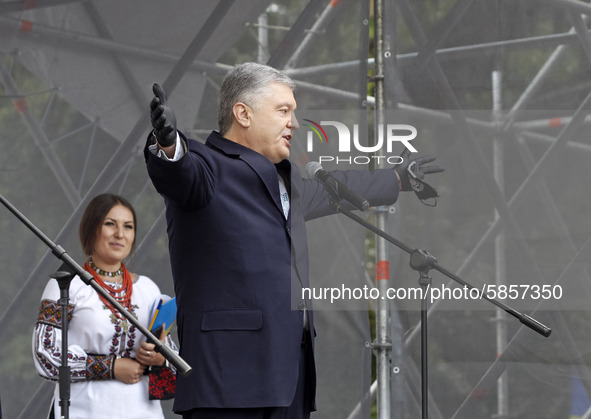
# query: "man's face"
[272,123]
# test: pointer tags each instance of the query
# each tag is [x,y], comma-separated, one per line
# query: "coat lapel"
[266,170]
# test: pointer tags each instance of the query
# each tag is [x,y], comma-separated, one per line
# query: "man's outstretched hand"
[163,119]
[411,173]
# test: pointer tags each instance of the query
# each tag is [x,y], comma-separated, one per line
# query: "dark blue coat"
[238,267]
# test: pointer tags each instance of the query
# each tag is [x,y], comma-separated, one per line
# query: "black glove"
[412,173]
[163,119]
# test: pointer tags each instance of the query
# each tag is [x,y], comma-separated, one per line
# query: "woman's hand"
[128,370]
[146,354]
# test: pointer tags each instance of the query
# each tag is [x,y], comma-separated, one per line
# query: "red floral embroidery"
[162,383]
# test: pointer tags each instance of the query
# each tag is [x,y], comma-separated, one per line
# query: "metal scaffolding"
[506,109]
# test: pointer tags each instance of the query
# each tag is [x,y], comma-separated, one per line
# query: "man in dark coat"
[236,211]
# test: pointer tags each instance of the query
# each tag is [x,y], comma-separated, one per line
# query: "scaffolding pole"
[382,345]
[500,248]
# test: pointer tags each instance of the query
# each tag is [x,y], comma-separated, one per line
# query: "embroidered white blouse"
[95,337]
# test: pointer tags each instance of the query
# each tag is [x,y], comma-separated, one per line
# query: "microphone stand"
[423,262]
[64,279]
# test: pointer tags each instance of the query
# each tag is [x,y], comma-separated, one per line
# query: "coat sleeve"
[379,187]
[188,182]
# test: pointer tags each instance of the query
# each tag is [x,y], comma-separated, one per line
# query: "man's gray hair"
[247,83]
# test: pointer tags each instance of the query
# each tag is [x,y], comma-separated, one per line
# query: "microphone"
[335,186]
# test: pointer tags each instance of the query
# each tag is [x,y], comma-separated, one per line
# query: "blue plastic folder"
[165,314]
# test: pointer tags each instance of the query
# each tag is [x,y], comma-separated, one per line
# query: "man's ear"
[241,113]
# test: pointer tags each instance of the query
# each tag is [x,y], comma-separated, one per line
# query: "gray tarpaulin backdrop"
[499,90]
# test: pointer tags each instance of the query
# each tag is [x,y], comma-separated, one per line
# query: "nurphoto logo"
[388,135]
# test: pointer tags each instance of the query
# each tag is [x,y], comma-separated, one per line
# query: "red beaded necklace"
[121,295]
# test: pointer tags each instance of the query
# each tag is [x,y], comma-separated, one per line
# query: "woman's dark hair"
[94,216]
